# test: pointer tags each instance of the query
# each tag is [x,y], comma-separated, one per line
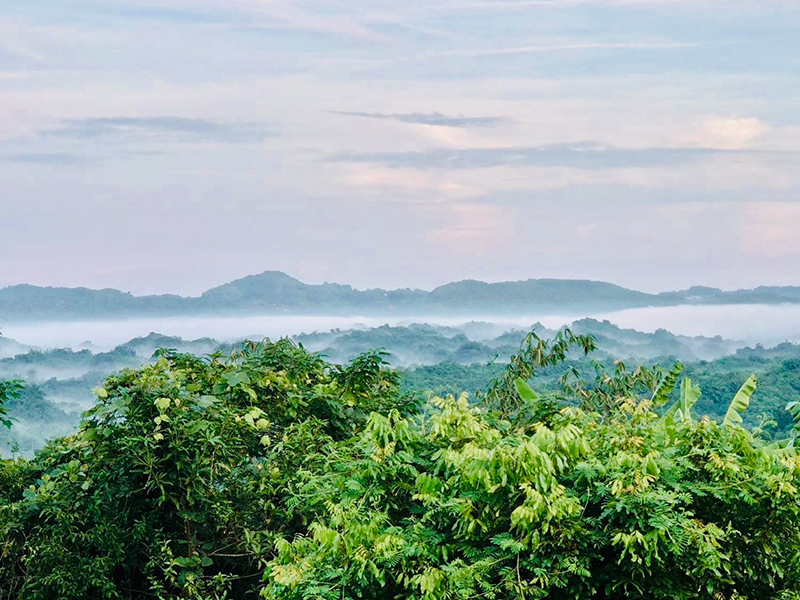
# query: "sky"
[173,145]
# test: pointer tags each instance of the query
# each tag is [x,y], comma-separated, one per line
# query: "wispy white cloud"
[571,47]
[728,133]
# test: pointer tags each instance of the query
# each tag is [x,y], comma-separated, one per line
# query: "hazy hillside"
[276,292]
[709,295]
[432,358]
[29,302]
[10,348]
[425,344]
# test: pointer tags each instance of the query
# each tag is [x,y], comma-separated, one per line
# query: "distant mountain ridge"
[275,292]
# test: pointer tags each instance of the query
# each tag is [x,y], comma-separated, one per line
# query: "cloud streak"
[162,129]
[570,47]
[433,118]
[585,155]
[55,159]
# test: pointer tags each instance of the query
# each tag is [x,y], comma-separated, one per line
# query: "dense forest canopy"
[268,472]
[435,359]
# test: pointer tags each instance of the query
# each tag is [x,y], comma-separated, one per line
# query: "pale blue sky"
[171,145]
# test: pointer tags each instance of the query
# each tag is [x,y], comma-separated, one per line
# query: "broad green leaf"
[782,448]
[205,401]
[681,411]
[667,385]
[236,378]
[525,391]
[690,394]
[789,450]
[187,562]
[794,410]
[740,402]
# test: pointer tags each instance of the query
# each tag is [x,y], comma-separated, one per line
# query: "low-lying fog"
[79,355]
[765,324]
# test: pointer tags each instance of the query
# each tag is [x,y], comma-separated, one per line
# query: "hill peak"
[275,292]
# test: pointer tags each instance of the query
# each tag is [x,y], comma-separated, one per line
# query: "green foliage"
[454,506]
[740,402]
[65,378]
[9,390]
[689,396]
[667,384]
[778,376]
[450,379]
[525,391]
[28,402]
[271,473]
[535,353]
[177,481]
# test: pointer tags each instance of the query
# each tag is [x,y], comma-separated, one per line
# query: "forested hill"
[276,292]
